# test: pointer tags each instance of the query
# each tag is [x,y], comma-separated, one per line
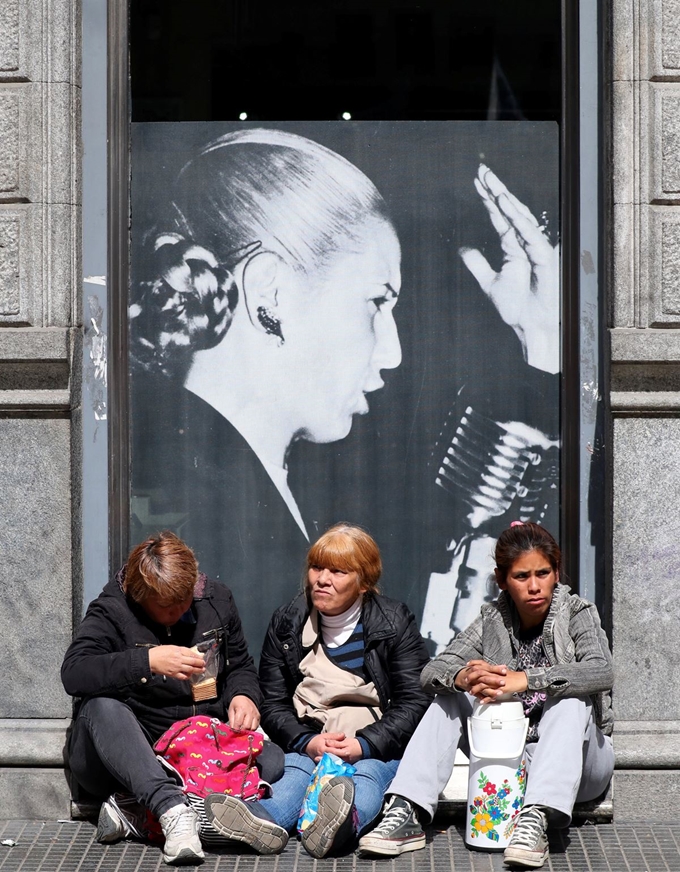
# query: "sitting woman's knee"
[102,705]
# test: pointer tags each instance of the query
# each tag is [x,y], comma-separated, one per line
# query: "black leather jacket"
[110,656]
[394,656]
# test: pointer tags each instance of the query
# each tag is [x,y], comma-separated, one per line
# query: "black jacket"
[110,656]
[394,656]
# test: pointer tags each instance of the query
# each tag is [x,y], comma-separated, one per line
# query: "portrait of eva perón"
[340,320]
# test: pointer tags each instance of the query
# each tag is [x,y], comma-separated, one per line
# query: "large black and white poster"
[345,321]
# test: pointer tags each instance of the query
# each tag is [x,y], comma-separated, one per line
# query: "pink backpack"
[213,758]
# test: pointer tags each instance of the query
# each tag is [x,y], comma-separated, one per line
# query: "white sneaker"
[180,828]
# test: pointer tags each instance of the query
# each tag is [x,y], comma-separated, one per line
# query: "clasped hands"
[346,747]
[486,682]
[181,663]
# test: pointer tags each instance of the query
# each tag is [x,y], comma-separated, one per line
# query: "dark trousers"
[109,752]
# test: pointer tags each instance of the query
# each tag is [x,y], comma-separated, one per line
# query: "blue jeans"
[371,780]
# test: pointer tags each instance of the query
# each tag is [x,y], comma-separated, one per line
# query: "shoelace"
[530,828]
[395,816]
[181,823]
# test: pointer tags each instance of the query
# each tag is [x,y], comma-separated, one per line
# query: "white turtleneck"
[336,629]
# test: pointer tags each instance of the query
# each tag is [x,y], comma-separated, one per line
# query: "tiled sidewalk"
[69,847]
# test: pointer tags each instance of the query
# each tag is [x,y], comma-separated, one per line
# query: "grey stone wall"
[39,374]
[644,237]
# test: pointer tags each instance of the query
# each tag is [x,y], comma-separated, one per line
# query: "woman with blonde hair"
[339,673]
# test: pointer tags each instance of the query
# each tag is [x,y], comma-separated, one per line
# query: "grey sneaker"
[333,821]
[528,844]
[245,822]
[111,826]
[120,817]
[398,832]
[182,843]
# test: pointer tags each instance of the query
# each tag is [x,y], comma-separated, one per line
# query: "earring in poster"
[272,325]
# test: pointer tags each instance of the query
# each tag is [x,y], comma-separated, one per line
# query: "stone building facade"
[642,234]
[40,471]
[40,381]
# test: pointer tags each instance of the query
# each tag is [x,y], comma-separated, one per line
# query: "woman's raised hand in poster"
[526,291]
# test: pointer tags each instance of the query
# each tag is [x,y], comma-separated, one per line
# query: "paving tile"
[52,847]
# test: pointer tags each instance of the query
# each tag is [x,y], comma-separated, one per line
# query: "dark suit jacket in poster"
[193,473]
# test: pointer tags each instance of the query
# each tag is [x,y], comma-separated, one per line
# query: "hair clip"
[516,523]
[239,254]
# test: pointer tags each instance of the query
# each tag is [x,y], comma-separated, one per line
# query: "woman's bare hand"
[318,746]
[526,291]
[483,680]
[487,682]
[348,749]
[175,661]
[243,713]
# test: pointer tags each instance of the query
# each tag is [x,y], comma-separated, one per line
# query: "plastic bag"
[329,766]
[204,684]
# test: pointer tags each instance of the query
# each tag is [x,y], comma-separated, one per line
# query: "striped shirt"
[349,655]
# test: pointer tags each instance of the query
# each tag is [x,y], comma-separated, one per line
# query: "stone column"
[643,232]
[39,395]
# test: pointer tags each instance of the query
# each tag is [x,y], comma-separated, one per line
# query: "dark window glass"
[305,60]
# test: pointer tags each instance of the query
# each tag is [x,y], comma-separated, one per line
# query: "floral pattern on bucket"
[495,805]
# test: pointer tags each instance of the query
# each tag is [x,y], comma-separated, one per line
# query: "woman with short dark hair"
[130,663]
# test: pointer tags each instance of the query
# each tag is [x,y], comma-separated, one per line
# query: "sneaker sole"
[528,859]
[186,857]
[391,847]
[234,821]
[338,798]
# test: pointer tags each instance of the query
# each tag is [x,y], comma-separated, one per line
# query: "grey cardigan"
[574,642]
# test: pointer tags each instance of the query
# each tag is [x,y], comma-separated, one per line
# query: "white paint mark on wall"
[587,263]
[96,356]
[591,392]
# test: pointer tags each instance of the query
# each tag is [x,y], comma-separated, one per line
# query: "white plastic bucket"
[497,777]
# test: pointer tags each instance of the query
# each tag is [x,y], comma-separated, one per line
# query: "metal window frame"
[119,104]
[575,503]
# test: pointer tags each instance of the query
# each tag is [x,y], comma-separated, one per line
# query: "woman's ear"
[500,581]
[262,279]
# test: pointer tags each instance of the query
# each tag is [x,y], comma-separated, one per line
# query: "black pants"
[109,752]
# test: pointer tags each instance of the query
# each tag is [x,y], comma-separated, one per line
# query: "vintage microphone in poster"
[345,321]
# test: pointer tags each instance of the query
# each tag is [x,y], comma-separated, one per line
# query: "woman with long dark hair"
[545,646]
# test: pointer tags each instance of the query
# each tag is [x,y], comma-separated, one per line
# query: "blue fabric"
[372,779]
[301,743]
[365,747]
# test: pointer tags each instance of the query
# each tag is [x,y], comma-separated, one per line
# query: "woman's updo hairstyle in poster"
[249,190]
